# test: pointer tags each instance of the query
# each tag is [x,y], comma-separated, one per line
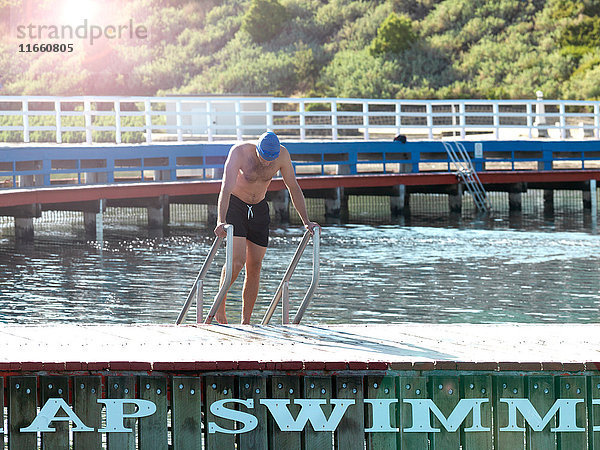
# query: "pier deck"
[397,344]
[401,386]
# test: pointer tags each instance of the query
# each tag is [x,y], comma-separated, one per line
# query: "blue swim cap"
[268,146]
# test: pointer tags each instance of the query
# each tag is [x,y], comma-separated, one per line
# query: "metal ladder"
[282,292]
[466,172]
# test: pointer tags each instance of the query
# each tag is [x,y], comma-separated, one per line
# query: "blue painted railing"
[52,165]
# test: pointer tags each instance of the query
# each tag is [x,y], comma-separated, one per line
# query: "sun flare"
[76,11]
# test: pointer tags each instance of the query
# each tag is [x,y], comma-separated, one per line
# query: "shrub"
[264,20]
[395,34]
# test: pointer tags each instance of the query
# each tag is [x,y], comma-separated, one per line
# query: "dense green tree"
[395,34]
[264,19]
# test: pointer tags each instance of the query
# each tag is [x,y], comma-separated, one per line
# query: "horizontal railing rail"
[148,119]
[52,165]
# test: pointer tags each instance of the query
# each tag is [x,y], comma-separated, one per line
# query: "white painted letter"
[48,414]
[218,409]
[115,413]
[566,415]
[381,415]
[422,418]
[310,411]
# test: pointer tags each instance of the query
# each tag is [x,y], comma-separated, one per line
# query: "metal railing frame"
[282,292]
[534,116]
[198,286]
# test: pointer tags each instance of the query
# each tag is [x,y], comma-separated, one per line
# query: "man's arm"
[232,167]
[289,178]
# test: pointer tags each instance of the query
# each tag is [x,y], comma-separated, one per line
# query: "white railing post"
[496,115]
[462,119]
[58,122]
[597,121]
[209,122]
[429,110]
[398,117]
[529,112]
[118,121]
[87,112]
[563,121]
[25,108]
[178,120]
[334,121]
[238,120]
[269,115]
[147,113]
[366,119]
[302,112]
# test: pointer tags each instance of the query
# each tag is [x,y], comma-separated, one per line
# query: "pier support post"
[455,199]
[281,205]
[397,200]
[548,202]
[158,215]
[212,215]
[515,201]
[93,221]
[24,229]
[587,197]
[335,205]
[515,196]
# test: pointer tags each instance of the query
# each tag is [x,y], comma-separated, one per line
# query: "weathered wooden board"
[55,387]
[186,413]
[382,388]
[255,388]
[153,432]
[86,391]
[218,388]
[350,433]
[318,388]
[22,411]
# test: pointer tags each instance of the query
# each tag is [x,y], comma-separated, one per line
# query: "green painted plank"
[255,388]
[574,387]
[411,387]
[285,387]
[153,429]
[445,394]
[594,411]
[21,412]
[86,390]
[318,388]
[2,404]
[122,387]
[382,387]
[55,387]
[219,388]
[542,394]
[350,432]
[186,413]
[507,386]
[478,386]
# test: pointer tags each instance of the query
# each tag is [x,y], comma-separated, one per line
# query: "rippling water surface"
[369,274]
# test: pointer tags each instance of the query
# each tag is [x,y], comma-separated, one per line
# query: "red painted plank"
[65,194]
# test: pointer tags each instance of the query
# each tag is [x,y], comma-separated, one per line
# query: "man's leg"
[254,257]
[239,259]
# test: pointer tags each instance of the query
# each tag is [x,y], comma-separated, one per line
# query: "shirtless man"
[248,172]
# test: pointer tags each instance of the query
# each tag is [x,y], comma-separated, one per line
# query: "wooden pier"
[402,386]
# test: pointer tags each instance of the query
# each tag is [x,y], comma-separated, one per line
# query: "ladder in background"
[466,172]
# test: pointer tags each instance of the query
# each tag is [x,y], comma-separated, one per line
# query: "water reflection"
[465,271]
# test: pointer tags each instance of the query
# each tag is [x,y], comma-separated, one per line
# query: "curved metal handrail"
[228,275]
[197,287]
[288,275]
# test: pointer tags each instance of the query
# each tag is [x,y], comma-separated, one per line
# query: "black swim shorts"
[249,221]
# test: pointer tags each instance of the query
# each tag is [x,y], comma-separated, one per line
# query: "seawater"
[428,270]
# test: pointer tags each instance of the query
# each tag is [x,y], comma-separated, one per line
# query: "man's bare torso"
[254,175]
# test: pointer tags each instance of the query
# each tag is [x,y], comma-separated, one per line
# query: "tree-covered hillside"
[341,48]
